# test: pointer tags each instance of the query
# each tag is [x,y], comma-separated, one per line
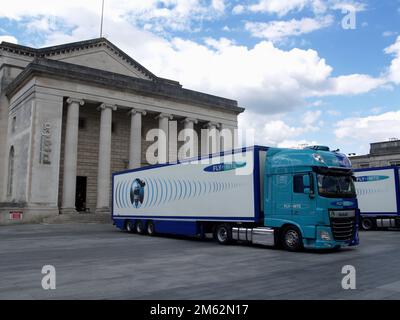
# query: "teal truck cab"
[310,198]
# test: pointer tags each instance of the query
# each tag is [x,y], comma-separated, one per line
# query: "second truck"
[270,196]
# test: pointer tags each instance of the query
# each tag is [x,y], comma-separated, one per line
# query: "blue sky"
[302,77]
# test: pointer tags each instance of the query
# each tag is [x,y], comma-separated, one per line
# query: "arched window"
[10,172]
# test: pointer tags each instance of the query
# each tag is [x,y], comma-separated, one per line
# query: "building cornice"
[63,70]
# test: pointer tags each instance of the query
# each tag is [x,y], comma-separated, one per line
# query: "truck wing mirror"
[306,182]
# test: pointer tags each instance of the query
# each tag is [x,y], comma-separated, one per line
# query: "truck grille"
[343,228]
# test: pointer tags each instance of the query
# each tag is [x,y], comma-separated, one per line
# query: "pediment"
[101,55]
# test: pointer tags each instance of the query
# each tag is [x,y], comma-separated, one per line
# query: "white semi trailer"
[378,197]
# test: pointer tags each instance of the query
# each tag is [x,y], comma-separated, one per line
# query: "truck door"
[303,204]
[282,185]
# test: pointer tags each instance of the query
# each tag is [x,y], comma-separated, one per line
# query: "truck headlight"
[324,235]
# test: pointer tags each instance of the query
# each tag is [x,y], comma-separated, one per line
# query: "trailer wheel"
[130,226]
[291,239]
[367,224]
[139,227]
[150,228]
[223,234]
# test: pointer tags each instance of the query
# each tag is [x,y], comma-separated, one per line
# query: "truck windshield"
[336,186]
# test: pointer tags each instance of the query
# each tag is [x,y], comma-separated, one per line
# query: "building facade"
[382,154]
[70,115]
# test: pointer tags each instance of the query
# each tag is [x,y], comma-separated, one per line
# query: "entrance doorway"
[80,198]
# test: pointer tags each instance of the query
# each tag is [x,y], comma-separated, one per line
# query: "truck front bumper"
[324,240]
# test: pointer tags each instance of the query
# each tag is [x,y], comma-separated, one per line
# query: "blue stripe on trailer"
[376,214]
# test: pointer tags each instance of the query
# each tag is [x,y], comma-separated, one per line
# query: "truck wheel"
[150,228]
[139,227]
[223,234]
[292,239]
[130,226]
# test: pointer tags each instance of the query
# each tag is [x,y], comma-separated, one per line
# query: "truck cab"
[310,198]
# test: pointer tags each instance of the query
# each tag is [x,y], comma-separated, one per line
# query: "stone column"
[193,138]
[228,139]
[172,141]
[70,156]
[135,145]
[163,126]
[104,170]
[212,131]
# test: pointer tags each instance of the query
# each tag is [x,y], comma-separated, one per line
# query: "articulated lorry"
[378,195]
[268,196]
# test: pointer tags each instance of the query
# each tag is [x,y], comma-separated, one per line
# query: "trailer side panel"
[220,189]
[376,191]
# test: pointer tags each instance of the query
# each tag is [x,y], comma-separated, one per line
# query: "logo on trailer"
[227,166]
[371,178]
[137,192]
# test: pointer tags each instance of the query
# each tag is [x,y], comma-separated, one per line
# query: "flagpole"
[102,17]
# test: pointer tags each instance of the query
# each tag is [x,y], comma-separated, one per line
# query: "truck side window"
[298,186]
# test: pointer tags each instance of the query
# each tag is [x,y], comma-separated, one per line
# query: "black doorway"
[80,199]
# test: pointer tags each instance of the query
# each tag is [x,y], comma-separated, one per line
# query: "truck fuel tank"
[263,236]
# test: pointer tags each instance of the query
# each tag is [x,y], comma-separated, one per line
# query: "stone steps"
[79,218]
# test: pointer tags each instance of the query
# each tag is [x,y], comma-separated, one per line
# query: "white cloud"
[274,131]
[10,39]
[389,33]
[310,117]
[317,103]
[333,113]
[279,30]
[283,7]
[349,5]
[238,9]
[218,5]
[351,84]
[157,14]
[371,128]
[394,69]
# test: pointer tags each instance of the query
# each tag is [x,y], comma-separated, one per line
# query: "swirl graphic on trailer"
[137,192]
[154,192]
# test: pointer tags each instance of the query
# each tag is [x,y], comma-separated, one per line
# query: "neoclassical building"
[72,114]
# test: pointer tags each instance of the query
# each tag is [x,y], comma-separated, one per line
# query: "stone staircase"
[78,218]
